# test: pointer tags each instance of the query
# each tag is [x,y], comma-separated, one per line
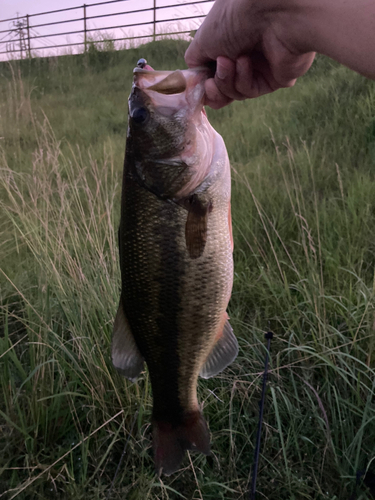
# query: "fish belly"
[174,304]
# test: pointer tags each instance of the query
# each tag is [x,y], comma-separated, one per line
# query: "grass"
[303,218]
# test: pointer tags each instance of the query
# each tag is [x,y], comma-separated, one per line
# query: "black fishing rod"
[268,336]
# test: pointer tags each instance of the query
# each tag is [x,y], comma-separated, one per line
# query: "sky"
[106,27]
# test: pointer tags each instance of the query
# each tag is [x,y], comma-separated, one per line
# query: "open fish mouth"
[168,82]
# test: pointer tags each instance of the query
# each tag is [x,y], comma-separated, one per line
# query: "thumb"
[195,55]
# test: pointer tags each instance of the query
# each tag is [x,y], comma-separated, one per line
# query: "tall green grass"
[303,218]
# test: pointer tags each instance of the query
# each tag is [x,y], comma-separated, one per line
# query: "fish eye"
[140,115]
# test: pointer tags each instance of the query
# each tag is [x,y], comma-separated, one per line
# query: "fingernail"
[221,71]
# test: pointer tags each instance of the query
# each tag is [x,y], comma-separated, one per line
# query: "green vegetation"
[303,217]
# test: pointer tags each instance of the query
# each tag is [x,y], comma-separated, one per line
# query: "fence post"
[19,26]
[154,36]
[28,35]
[84,25]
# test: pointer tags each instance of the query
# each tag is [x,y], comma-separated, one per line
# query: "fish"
[176,256]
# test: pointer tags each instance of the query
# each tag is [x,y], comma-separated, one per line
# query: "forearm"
[263,45]
[341,29]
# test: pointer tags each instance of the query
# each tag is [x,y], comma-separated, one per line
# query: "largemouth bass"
[175,242]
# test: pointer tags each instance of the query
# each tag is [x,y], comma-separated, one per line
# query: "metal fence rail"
[21,34]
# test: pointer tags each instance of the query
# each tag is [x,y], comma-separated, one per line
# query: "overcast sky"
[107,25]
[9,9]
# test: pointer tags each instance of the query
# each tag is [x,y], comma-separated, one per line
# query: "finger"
[244,77]
[214,98]
[195,54]
[264,81]
[286,63]
[291,67]
[192,56]
[264,84]
[225,78]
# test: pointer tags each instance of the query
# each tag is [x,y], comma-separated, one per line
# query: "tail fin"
[170,442]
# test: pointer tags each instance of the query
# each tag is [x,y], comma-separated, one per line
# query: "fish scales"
[174,294]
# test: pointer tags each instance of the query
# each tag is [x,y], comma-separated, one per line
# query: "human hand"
[255,45]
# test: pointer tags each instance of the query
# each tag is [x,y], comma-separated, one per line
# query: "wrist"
[340,29]
[292,21]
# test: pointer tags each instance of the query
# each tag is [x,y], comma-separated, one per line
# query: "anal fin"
[126,357]
[223,353]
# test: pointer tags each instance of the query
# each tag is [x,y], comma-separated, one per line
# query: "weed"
[303,220]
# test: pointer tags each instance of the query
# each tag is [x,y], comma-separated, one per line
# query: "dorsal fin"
[223,353]
[126,357]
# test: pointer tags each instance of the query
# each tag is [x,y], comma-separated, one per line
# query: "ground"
[303,206]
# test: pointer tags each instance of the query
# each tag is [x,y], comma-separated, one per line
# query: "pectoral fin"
[196,226]
[223,353]
[126,357]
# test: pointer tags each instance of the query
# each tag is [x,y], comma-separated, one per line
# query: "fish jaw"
[170,91]
[177,133]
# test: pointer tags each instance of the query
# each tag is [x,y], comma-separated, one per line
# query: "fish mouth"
[144,70]
[170,82]
[187,83]
[205,69]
